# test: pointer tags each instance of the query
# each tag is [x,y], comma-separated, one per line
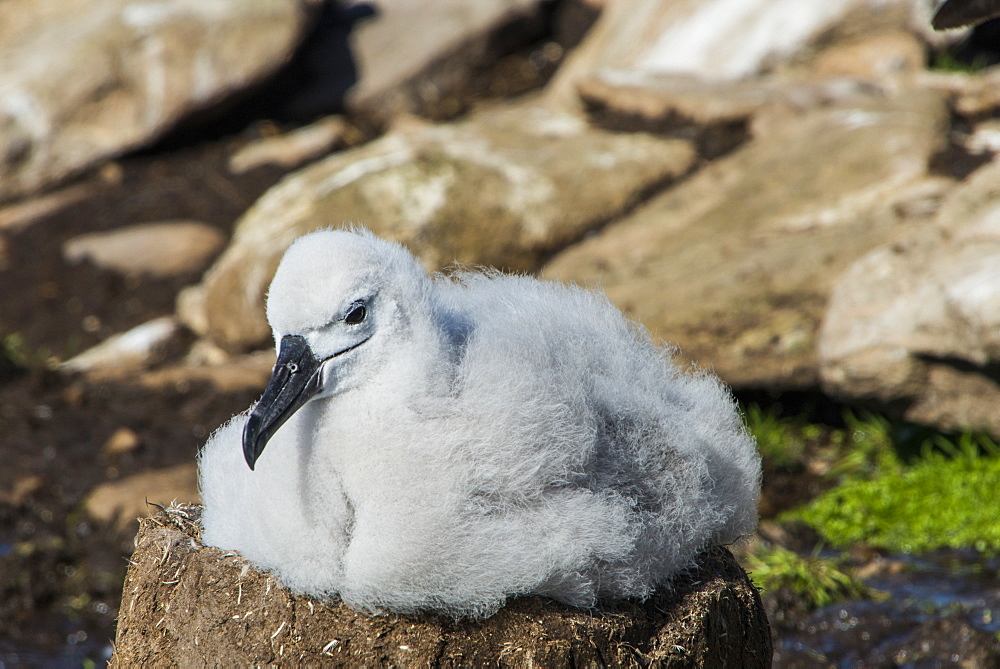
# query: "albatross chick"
[445,443]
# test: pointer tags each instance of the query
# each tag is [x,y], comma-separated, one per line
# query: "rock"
[505,188]
[978,96]
[87,79]
[914,326]
[121,502]
[23,488]
[122,441]
[162,249]
[191,310]
[923,199]
[975,96]
[717,39]
[18,216]
[661,99]
[571,21]
[238,373]
[205,352]
[717,115]
[413,56]
[140,347]
[985,138]
[376,61]
[292,149]
[185,604]
[735,264]
[632,71]
[837,53]
[874,57]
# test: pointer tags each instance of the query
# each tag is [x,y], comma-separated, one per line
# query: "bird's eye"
[355,315]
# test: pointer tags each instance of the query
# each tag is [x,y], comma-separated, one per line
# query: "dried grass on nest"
[185,603]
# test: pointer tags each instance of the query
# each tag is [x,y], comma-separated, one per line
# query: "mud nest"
[186,604]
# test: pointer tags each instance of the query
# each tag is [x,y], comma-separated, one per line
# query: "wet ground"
[935,611]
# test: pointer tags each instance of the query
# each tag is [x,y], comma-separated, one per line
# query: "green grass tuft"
[815,580]
[780,439]
[867,447]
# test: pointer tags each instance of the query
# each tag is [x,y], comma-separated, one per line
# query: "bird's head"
[337,300]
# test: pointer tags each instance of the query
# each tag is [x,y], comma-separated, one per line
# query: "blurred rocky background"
[803,195]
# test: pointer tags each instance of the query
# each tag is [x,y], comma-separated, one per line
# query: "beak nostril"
[292,367]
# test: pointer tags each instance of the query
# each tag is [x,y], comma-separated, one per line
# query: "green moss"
[899,487]
[815,580]
[943,499]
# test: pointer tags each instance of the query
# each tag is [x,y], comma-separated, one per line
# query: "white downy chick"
[446,443]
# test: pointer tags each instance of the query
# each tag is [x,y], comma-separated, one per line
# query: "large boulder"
[709,71]
[506,188]
[379,60]
[83,80]
[915,325]
[188,605]
[735,264]
[417,56]
[718,40]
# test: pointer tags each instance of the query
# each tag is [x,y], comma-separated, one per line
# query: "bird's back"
[569,394]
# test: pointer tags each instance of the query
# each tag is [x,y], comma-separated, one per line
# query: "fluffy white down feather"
[496,435]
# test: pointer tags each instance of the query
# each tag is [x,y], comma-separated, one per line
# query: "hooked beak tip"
[251,439]
[255,438]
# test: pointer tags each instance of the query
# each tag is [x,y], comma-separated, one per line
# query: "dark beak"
[294,381]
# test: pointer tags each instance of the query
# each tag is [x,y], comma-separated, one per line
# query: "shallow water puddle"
[938,609]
